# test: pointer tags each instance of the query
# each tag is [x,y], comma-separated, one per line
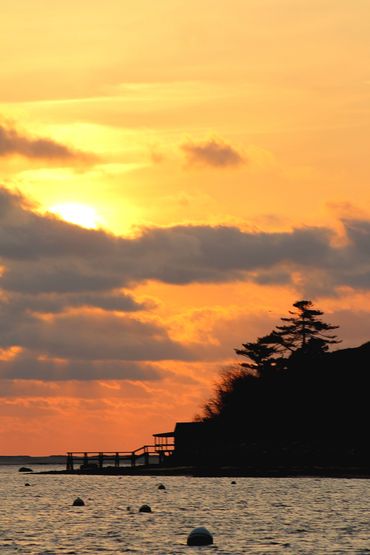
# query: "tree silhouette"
[260,355]
[303,331]
[297,417]
[224,392]
[267,381]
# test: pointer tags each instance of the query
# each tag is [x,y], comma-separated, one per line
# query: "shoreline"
[222,472]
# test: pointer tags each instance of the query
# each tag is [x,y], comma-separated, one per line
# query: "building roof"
[189,426]
[183,427]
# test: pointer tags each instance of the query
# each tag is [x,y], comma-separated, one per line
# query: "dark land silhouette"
[293,402]
[295,405]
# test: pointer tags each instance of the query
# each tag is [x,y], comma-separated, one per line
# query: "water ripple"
[256,516]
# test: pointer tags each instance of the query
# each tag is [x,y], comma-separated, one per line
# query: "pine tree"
[303,331]
[260,356]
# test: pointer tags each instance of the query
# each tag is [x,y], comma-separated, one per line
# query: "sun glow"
[79,214]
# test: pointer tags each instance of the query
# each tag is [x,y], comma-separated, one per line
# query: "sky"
[174,175]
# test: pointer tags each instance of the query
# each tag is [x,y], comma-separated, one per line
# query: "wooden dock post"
[69,461]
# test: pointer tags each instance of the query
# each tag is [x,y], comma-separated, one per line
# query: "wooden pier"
[143,456]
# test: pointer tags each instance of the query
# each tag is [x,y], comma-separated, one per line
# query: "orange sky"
[215,155]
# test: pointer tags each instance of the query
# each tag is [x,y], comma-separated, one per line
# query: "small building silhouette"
[188,444]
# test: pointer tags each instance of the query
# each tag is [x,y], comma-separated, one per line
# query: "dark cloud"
[27,367]
[57,302]
[92,336]
[14,143]
[274,278]
[52,269]
[69,259]
[59,276]
[84,345]
[43,255]
[212,153]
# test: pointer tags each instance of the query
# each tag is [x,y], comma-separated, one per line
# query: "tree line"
[293,398]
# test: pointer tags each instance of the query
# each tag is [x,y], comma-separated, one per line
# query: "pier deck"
[143,456]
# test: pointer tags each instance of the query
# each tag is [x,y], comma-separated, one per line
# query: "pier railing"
[98,459]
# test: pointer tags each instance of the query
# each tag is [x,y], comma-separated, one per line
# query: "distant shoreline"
[20,460]
[221,472]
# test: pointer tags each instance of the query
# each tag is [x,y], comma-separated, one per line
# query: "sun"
[82,215]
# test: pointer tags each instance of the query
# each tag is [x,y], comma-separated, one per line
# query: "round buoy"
[27,484]
[78,502]
[145,509]
[233,483]
[161,486]
[200,536]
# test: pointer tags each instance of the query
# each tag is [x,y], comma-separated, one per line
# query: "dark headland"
[312,420]
[293,408]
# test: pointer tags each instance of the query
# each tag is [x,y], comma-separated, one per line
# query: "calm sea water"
[257,515]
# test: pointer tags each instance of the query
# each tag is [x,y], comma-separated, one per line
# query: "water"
[255,516]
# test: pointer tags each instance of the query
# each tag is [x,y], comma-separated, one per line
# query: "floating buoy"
[27,484]
[200,536]
[233,483]
[145,509]
[161,486]
[78,502]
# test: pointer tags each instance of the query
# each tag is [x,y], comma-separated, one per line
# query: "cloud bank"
[42,255]
[66,303]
